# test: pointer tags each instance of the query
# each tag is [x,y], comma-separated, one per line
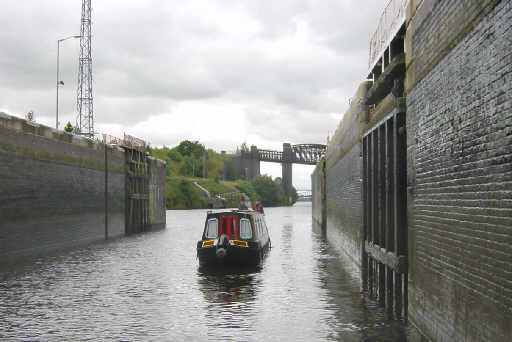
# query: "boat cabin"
[236,225]
[239,236]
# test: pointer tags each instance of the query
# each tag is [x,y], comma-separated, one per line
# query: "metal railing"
[127,141]
[271,156]
[391,20]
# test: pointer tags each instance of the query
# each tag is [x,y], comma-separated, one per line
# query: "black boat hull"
[231,255]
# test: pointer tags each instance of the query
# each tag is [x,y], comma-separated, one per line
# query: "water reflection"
[356,317]
[231,294]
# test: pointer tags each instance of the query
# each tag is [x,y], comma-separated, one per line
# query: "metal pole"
[57,104]
[58,80]
[106,189]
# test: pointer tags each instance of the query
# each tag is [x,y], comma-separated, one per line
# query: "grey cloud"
[293,127]
[150,55]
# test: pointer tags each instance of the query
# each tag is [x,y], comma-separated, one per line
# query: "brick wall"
[459,119]
[52,190]
[434,27]
[344,204]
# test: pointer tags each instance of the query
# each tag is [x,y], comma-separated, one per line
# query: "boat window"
[245,229]
[212,229]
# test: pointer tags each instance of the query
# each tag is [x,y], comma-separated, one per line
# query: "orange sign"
[240,243]
[208,243]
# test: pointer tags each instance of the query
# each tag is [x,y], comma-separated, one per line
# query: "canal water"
[148,287]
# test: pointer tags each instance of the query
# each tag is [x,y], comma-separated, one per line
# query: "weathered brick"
[459,146]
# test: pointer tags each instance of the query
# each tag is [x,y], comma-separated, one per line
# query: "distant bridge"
[248,162]
[304,195]
[307,154]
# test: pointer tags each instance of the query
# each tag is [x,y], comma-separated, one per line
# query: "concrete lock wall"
[55,192]
[459,169]
[52,189]
[157,209]
[459,119]
[318,196]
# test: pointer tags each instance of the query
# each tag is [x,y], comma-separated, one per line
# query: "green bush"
[181,193]
[215,187]
[270,192]
[174,155]
[247,188]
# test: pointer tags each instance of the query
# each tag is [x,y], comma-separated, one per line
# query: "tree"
[172,154]
[295,195]
[191,148]
[191,167]
[269,191]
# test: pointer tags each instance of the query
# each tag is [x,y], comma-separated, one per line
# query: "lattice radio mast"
[85,120]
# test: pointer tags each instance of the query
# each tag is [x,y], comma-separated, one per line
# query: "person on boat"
[68,128]
[258,207]
[242,205]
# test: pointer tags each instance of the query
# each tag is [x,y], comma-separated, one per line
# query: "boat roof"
[232,211]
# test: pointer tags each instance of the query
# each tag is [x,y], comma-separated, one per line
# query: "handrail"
[127,141]
[391,20]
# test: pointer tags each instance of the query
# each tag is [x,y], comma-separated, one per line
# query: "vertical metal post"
[401,218]
[399,199]
[58,80]
[390,224]
[57,84]
[364,255]
[375,196]
[106,191]
[382,211]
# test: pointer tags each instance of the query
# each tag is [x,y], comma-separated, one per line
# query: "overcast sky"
[219,71]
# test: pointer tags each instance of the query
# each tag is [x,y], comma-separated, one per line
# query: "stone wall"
[344,204]
[318,196]
[52,189]
[247,165]
[157,211]
[459,119]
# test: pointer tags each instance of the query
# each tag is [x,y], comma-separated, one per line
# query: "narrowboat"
[237,237]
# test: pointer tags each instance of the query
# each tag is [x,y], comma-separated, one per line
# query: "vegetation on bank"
[191,162]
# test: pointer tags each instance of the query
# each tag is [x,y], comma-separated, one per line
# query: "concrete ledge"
[22,126]
[26,139]
[382,87]
[158,162]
